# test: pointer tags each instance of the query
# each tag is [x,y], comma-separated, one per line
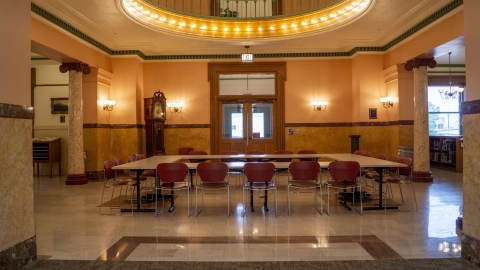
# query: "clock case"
[154,125]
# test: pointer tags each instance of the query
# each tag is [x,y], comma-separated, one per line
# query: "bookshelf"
[446,152]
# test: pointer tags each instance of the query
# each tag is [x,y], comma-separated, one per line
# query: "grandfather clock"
[155,116]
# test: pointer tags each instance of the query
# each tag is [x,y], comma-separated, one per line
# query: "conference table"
[151,163]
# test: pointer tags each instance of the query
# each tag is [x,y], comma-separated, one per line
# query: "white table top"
[152,162]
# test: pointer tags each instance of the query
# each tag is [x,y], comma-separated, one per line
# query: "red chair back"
[344,170]
[259,172]
[140,156]
[212,171]
[358,152]
[380,156]
[393,159]
[132,158]
[405,171]
[197,153]
[308,152]
[228,153]
[366,153]
[184,150]
[254,152]
[119,161]
[283,152]
[108,172]
[172,172]
[304,170]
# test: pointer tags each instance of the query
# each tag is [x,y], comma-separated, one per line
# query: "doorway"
[247,106]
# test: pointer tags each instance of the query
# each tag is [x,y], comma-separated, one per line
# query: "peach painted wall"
[59,44]
[472,53]
[367,87]
[399,85]
[318,80]
[14,76]
[96,87]
[438,34]
[185,82]
[127,89]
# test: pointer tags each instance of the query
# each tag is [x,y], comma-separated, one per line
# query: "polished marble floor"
[68,226]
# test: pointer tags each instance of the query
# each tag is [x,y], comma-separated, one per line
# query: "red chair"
[304,176]
[259,177]
[184,150]
[212,177]
[237,172]
[254,152]
[197,153]
[344,176]
[371,171]
[143,176]
[366,153]
[109,173]
[375,177]
[404,177]
[307,152]
[358,152]
[146,173]
[283,152]
[171,176]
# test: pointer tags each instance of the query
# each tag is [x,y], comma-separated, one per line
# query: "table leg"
[380,195]
[172,202]
[251,200]
[265,202]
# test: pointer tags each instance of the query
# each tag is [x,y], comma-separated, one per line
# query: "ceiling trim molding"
[72,30]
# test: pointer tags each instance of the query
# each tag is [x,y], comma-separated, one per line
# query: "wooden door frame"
[214,71]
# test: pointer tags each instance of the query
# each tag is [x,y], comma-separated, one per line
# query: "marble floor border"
[370,243]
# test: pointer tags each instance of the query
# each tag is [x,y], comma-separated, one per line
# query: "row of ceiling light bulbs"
[147,12]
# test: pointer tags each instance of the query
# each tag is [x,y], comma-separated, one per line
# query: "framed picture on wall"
[59,105]
[372,113]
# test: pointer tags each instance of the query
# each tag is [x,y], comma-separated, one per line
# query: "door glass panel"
[247,84]
[232,121]
[262,121]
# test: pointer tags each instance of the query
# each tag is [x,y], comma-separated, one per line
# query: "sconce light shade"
[108,105]
[386,102]
[175,107]
[319,105]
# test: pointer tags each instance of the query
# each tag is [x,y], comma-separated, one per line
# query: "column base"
[471,249]
[76,179]
[425,177]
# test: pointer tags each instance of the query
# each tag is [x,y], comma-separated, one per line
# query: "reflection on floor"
[68,226]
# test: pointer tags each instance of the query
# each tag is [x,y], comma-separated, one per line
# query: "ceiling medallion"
[308,23]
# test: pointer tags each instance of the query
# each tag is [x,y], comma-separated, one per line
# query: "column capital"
[419,62]
[78,66]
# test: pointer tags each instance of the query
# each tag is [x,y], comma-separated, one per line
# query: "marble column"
[421,147]
[76,166]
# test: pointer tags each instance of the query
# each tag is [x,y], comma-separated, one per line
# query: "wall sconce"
[386,102]
[108,105]
[175,107]
[319,105]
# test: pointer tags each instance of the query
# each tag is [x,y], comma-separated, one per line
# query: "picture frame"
[59,105]
[372,113]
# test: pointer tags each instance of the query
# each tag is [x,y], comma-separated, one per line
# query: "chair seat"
[174,185]
[372,175]
[128,179]
[393,180]
[341,184]
[149,173]
[302,183]
[259,185]
[214,185]
[123,183]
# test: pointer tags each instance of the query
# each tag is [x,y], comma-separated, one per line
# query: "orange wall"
[472,52]
[127,89]
[367,87]
[439,34]
[15,53]
[55,45]
[185,82]
[318,80]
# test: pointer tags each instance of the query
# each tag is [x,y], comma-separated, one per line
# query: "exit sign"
[247,57]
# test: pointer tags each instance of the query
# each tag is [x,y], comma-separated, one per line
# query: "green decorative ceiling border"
[430,19]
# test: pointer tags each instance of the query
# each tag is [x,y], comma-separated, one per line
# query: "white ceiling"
[103,21]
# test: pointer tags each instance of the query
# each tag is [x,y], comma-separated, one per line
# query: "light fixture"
[450,93]
[319,105]
[108,105]
[175,107]
[386,102]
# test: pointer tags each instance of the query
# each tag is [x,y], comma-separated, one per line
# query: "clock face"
[158,111]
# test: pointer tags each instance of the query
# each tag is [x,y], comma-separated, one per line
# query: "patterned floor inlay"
[371,244]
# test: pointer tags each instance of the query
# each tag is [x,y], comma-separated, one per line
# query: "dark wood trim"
[40,85]
[188,126]
[16,111]
[470,107]
[116,126]
[214,71]
[352,124]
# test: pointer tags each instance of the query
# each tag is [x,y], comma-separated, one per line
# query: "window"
[443,114]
